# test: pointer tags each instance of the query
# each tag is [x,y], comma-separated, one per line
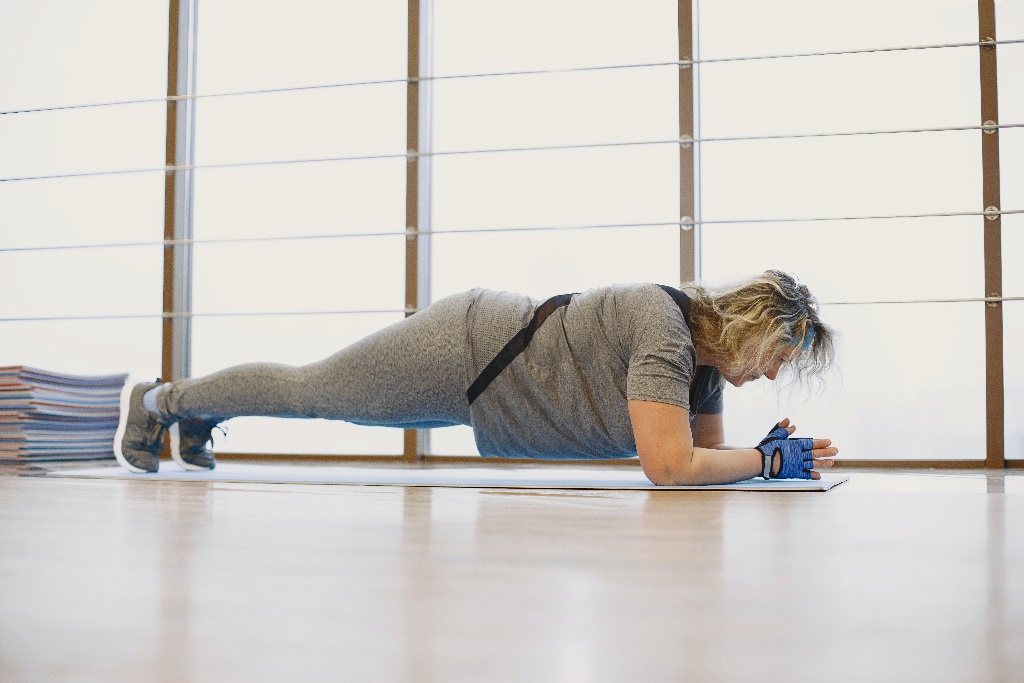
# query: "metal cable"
[145,316]
[409,156]
[403,233]
[171,169]
[532,72]
[411,310]
[818,219]
[686,223]
[985,299]
[895,131]
[328,86]
[412,155]
[986,43]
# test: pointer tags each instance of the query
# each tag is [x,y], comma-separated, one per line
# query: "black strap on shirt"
[682,301]
[516,345]
[700,378]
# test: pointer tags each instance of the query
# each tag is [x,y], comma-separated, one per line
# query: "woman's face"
[767,366]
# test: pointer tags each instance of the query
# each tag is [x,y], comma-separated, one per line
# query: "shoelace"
[216,427]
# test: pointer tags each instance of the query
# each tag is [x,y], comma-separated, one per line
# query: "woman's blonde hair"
[745,323]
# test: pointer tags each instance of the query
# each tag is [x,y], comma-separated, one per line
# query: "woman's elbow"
[669,471]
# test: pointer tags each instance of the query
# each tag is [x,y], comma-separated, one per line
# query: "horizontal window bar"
[684,223]
[411,310]
[412,155]
[284,238]
[145,316]
[737,221]
[492,74]
[985,299]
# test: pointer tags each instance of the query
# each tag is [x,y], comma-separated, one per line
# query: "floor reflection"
[902,482]
[182,526]
[434,584]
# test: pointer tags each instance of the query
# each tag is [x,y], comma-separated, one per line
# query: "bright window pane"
[1010,25]
[260,44]
[1010,18]
[1013,253]
[859,92]
[65,52]
[849,176]
[542,264]
[913,386]
[1013,382]
[318,275]
[453,441]
[1011,176]
[900,392]
[1011,154]
[732,28]
[85,347]
[344,274]
[627,105]
[557,188]
[612,186]
[73,53]
[481,37]
[313,124]
[875,260]
[82,141]
[90,210]
[314,44]
[301,199]
[81,282]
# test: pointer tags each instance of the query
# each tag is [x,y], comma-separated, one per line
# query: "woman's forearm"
[668,452]
[725,466]
[718,466]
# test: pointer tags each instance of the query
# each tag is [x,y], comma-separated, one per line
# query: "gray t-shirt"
[565,396]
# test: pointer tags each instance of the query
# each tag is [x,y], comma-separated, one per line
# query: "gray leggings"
[411,375]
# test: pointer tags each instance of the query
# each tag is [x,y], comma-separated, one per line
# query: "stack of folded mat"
[55,416]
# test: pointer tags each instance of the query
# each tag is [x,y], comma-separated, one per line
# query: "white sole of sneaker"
[122,424]
[176,451]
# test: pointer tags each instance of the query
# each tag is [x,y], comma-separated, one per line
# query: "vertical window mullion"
[419,145]
[994,398]
[178,189]
[689,246]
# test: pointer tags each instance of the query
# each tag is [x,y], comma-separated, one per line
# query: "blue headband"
[808,339]
[804,343]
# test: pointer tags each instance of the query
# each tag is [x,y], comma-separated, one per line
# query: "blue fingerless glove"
[778,432]
[797,460]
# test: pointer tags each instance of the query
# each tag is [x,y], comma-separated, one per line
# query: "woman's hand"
[822,451]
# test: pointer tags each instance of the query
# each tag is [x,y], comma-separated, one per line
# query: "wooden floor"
[891,577]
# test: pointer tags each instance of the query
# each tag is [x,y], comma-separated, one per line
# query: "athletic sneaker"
[192,441]
[140,433]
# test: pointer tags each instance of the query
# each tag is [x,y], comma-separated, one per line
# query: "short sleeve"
[657,345]
[709,399]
